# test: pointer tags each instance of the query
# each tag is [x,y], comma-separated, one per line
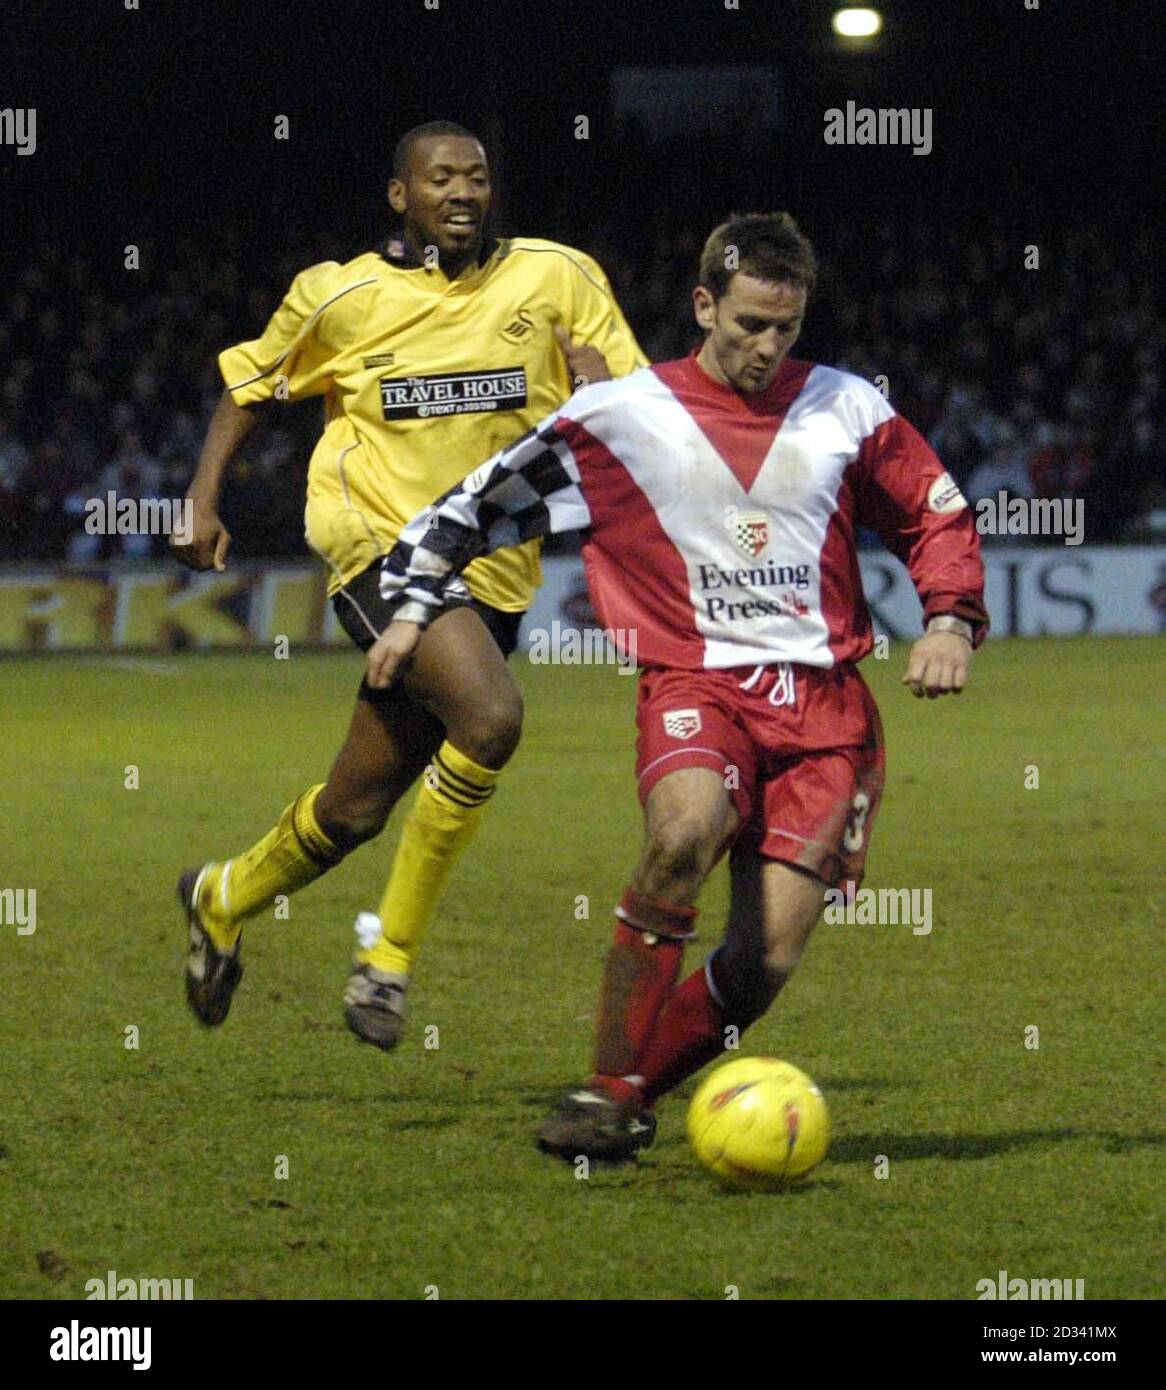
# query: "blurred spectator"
[263,504]
[110,542]
[1000,472]
[1126,496]
[13,457]
[131,466]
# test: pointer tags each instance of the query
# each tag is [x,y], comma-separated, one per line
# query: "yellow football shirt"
[422,378]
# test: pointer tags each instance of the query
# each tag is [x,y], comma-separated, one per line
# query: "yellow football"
[759,1123]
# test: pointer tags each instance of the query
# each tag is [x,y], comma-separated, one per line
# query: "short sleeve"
[597,319]
[291,351]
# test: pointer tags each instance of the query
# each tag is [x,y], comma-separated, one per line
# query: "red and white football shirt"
[720,526]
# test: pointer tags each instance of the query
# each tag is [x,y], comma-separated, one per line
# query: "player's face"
[444,198]
[751,329]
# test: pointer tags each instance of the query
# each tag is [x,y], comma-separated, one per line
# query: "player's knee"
[745,985]
[780,960]
[353,821]
[788,931]
[491,733]
[680,849]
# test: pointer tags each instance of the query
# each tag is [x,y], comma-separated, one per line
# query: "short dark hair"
[403,152]
[769,245]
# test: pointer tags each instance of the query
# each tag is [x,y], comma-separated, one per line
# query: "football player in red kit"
[720,495]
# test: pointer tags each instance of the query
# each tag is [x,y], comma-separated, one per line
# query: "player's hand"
[585,363]
[391,653]
[938,665]
[209,540]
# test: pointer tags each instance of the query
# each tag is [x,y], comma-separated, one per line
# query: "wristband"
[948,622]
[413,611]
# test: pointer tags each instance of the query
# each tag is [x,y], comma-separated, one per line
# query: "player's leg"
[460,679]
[392,738]
[696,769]
[811,831]
[774,908]
[689,819]
[389,742]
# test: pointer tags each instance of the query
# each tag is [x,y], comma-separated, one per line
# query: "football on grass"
[759,1123]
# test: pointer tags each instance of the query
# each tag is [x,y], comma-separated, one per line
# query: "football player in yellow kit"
[439,349]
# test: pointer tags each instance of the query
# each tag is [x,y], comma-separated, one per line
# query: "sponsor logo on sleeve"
[944,495]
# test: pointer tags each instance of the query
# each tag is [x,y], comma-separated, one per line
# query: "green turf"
[417,1169]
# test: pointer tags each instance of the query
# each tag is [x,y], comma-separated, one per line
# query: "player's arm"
[528,490]
[288,362]
[209,539]
[906,496]
[596,339]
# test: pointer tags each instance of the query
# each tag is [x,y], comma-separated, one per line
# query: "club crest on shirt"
[751,532]
[518,327]
[682,723]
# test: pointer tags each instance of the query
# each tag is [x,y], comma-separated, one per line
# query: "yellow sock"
[289,856]
[440,825]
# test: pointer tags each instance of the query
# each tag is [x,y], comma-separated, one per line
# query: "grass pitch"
[416,1171]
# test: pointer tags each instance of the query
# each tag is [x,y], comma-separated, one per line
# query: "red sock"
[640,973]
[690,1032]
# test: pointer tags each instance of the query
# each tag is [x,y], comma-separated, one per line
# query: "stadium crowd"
[1042,382]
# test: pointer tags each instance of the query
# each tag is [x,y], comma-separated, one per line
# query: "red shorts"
[800,749]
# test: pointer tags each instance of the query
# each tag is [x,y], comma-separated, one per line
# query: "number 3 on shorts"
[856,823]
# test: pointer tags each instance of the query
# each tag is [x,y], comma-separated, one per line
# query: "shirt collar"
[397,254]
